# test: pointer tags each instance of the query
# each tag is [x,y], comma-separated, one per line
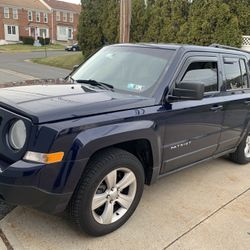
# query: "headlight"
[17,135]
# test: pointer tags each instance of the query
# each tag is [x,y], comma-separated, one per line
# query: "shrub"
[27,40]
[41,40]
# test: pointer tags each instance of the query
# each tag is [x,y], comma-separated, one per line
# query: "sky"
[72,1]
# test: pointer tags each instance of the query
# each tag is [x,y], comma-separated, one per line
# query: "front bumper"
[33,197]
[44,187]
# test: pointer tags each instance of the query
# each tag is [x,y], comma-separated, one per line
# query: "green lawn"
[28,48]
[65,61]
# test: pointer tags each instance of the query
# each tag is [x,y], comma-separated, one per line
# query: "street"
[204,207]
[14,67]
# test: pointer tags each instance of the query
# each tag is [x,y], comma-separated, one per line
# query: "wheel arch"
[139,138]
[140,148]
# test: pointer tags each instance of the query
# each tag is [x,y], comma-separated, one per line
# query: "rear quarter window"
[235,74]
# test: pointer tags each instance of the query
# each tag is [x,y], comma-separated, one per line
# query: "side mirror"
[75,67]
[189,90]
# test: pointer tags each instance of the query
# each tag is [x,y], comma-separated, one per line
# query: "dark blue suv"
[127,116]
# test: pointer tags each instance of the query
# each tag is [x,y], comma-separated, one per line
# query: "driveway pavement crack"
[206,218]
[5,240]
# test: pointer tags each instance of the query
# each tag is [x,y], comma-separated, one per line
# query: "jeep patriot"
[129,115]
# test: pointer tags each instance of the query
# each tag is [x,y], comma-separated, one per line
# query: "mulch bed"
[33,82]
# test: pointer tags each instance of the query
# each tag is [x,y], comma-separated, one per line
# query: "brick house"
[20,18]
[65,18]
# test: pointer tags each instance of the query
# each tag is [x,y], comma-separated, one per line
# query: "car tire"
[74,49]
[242,153]
[108,192]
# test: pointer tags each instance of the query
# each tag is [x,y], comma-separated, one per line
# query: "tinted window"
[233,73]
[203,72]
[244,73]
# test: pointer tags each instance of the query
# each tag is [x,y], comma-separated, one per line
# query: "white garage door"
[11,32]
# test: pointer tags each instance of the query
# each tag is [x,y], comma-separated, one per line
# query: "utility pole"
[125,20]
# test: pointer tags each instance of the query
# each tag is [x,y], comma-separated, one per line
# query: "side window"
[203,72]
[244,74]
[233,73]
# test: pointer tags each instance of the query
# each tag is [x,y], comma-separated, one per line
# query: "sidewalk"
[203,207]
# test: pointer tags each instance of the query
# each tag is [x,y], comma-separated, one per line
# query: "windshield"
[131,69]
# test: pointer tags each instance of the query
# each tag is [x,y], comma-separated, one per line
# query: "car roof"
[186,48]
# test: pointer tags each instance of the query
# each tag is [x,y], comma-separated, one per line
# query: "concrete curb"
[33,51]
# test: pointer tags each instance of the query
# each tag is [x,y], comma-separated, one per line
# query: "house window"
[30,15]
[70,33]
[58,16]
[62,31]
[11,30]
[65,17]
[38,17]
[6,12]
[15,14]
[45,17]
[71,17]
[43,32]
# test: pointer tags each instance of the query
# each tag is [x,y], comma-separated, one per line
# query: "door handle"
[216,108]
[247,102]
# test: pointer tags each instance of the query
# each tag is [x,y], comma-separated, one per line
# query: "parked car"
[74,47]
[128,116]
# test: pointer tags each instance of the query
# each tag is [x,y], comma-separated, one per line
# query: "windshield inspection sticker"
[135,87]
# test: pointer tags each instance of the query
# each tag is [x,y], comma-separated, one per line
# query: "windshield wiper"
[97,84]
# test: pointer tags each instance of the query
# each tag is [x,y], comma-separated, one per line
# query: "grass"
[65,61]
[28,48]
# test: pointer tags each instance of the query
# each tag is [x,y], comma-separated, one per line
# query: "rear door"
[236,96]
[193,128]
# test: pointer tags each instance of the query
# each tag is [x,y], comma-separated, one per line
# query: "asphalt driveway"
[204,207]
[14,67]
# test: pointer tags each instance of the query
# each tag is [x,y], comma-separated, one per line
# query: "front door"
[32,32]
[193,128]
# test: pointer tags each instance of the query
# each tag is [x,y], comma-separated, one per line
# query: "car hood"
[52,102]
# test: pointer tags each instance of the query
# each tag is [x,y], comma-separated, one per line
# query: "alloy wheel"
[114,196]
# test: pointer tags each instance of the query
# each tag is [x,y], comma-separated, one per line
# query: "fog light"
[44,158]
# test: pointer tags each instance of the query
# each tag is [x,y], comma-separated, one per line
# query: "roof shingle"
[61,5]
[28,4]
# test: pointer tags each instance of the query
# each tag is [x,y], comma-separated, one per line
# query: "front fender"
[92,140]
